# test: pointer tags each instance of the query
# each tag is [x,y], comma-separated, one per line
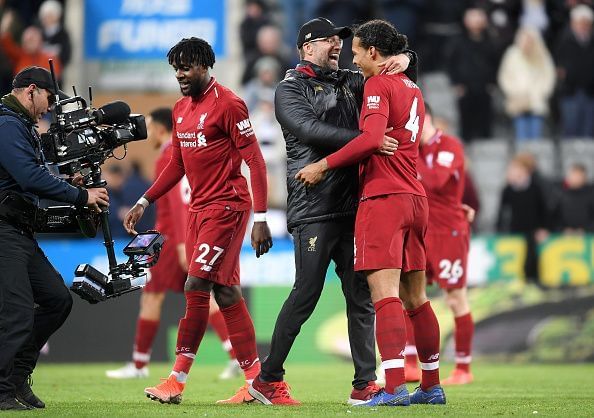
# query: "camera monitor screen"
[142,240]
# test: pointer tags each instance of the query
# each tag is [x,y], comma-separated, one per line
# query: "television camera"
[79,141]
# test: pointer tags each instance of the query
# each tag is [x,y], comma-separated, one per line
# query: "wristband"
[143,202]
[260,217]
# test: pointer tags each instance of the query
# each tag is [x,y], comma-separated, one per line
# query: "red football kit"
[392,215]
[172,218]
[441,167]
[212,134]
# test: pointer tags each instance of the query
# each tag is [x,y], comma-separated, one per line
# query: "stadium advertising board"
[146,29]
[564,261]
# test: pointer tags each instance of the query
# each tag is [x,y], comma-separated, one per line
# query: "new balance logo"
[180,119]
[206,267]
[434,356]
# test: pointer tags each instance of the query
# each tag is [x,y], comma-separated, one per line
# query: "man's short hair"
[581,12]
[192,51]
[383,36]
[163,116]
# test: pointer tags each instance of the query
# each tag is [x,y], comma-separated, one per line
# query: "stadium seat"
[488,162]
[577,151]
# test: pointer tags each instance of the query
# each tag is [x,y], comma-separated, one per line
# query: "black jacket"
[22,168]
[318,111]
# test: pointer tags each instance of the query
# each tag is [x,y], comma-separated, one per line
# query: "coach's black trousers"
[34,303]
[316,244]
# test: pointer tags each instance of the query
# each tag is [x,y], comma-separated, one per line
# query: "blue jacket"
[22,166]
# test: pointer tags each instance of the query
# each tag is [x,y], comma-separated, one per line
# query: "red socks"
[191,329]
[410,350]
[426,331]
[143,341]
[463,333]
[243,338]
[391,337]
[217,321]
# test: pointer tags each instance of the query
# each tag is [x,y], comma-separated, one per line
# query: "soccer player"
[171,270]
[441,169]
[392,216]
[212,134]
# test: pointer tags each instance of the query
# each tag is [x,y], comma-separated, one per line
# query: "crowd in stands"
[517,69]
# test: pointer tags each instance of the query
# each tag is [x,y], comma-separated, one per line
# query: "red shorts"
[447,255]
[167,274]
[390,232]
[213,244]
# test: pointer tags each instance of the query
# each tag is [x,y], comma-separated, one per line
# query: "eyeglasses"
[332,40]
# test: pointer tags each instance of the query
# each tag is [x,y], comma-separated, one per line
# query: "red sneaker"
[458,377]
[412,374]
[168,391]
[272,393]
[362,395]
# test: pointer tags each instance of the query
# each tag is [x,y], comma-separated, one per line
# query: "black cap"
[38,76]
[321,28]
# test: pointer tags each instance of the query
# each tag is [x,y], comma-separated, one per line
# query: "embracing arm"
[362,146]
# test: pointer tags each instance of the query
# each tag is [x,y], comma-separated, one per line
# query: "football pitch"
[81,390]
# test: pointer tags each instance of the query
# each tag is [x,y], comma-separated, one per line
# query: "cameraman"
[34,302]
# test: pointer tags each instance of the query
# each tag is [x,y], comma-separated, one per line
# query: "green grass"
[499,390]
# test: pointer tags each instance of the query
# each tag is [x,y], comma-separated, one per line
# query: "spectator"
[404,15]
[267,70]
[256,16]
[575,69]
[527,78]
[440,23]
[523,208]
[56,40]
[30,52]
[270,44]
[503,17]
[575,210]
[534,15]
[472,65]
[270,138]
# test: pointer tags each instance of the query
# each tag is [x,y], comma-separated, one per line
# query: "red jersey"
[172,207]
[388,101]
[212,134]
[441,167]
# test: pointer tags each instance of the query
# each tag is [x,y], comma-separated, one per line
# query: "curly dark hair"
[193,51]
[383,36]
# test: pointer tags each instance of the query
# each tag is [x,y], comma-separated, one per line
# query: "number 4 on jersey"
[413,121]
